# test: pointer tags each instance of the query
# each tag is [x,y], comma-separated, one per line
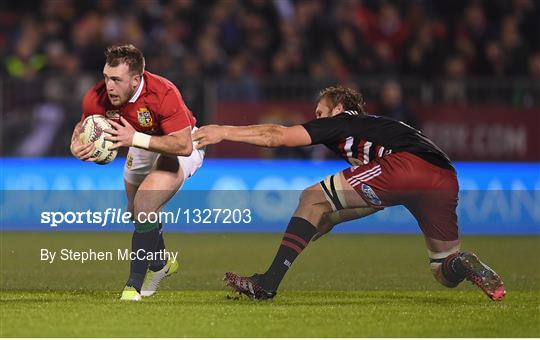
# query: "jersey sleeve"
[88,104]
[174,114]
[325,130]
[91,103]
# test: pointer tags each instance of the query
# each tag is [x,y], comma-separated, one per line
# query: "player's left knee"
[142,207]
[145,213]
[442,254]
[436,270]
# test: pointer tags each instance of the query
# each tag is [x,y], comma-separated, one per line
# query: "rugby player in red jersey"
[391,164]
[148,115]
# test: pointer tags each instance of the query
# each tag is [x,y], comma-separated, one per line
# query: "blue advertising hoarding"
[495,198]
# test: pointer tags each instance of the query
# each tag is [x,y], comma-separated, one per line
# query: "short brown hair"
[349,98]
[125,54]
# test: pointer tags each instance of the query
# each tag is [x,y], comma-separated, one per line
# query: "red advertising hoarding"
[485,133]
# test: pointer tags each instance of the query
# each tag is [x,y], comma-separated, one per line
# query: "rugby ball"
[93,130]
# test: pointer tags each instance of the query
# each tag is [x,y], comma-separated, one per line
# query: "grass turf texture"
[341,286]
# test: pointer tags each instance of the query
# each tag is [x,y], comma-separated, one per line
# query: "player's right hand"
[82,151]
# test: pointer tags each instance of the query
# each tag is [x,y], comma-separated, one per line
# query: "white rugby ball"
[92,130]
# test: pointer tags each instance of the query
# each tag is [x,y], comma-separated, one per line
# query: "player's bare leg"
[315,213]
[155,270]
[450,267]
[333,218]
[131,191]
[156,189]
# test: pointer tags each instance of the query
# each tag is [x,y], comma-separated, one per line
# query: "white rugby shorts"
[140,162]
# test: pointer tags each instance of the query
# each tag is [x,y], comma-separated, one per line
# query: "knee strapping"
[333,192]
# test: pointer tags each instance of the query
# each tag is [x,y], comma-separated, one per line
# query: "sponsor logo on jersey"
[112,114]
[145,117]
[370,195]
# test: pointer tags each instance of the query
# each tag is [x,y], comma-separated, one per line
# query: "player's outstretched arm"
[177,143]
[267,135]
[79,150]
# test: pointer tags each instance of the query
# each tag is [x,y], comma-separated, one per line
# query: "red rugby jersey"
[156,108]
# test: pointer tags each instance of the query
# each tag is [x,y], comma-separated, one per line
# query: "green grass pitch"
[341,286]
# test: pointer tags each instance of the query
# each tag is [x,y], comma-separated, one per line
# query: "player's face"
[120,83]
[326,109]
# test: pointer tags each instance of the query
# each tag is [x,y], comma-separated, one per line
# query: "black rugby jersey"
[360,138]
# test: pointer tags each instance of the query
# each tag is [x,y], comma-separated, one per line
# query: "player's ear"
[337,109]
[136,80]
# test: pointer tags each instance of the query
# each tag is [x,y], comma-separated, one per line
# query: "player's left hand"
[326,225]
[120,134]
[207,135]
[321,231]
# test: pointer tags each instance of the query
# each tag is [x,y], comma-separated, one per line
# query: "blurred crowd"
[239,43]
[256,38]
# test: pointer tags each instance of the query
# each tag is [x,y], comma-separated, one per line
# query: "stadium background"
[467,73]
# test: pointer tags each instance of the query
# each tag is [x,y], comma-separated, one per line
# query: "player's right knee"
[307,195]
[307,200]
[312,205]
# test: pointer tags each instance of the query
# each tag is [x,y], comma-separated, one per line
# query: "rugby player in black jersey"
[391,164]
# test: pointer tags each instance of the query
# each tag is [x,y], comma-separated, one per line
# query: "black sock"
[146,241]
[452,269]
[159,263]
[297,236]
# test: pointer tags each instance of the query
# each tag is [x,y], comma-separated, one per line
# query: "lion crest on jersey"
[145,117]
[129,161]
